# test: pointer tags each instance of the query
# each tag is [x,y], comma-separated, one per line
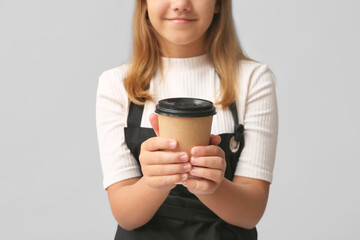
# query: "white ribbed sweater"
[191,77]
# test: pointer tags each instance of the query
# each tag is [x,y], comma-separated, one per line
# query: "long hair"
[222,48]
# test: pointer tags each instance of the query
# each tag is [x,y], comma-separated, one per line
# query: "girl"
[187,48]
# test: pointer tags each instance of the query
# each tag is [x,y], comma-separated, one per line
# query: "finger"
[215,175]
[215,139]
[199,185]
[154,123]
[162,181]
[166,169]
[209,162]
[165,157]
[210,150]
[158,143]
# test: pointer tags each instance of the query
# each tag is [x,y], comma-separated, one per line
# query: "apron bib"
[183,215]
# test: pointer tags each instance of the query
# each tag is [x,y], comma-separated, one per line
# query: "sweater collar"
[197,62]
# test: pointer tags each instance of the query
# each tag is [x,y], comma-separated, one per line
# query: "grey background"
[52,52]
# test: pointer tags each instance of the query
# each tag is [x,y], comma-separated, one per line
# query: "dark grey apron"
[183,215]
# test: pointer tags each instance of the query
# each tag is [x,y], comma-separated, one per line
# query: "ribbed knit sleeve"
[260,121]
[111,114]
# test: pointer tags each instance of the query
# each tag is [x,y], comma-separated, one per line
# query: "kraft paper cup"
[187,120]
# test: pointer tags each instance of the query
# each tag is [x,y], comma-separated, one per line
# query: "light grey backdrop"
[52,52]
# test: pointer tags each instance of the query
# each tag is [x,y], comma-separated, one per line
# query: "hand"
[208,163]
[161,167]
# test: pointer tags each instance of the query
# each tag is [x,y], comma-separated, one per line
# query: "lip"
[180,20]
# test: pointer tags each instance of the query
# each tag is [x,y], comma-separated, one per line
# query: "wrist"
[214,193]
[154,189]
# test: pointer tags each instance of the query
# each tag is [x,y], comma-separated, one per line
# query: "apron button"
[234,145]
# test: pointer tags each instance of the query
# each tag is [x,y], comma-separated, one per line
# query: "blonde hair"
[222,48]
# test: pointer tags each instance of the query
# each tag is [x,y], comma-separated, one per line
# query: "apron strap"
[135,115]
[135,111]
[239,128]
[234,113]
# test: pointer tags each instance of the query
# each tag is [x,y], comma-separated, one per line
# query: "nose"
[181,5]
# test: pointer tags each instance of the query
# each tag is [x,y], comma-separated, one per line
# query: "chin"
[181,41]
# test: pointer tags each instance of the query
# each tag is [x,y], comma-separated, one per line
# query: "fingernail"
[193,160]
[172,144]
[184,157]
[187,167]
[194,151]
[193,172]
[184,177]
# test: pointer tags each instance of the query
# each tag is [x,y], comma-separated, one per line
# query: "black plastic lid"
[185,107]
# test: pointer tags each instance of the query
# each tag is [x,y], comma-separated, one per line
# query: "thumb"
[215,139]
[154,123]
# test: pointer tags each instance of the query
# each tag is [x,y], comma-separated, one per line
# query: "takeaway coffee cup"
[187,120]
